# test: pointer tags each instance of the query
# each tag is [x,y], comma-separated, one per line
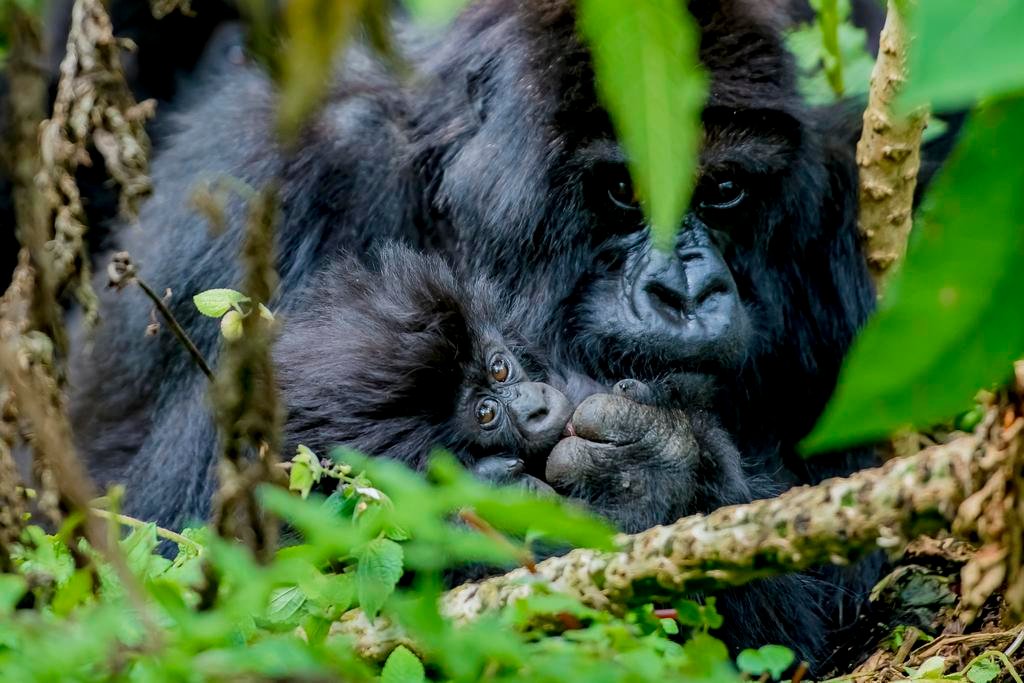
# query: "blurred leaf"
[402,667]
[983,670]
[649,78]
[73,593]
[377,574]
[770,659]
[216,302]
[516,511]
[950,323]
[314,30]
[12,588]
[434,12]
[963,51]
[930,669]
[808,44]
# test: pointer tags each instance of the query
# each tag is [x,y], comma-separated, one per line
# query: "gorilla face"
[534,191]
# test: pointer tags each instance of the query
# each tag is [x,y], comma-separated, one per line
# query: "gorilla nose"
[540,412]
[691,297]
[686,288]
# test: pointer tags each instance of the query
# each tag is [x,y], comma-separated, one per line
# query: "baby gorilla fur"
[400,359]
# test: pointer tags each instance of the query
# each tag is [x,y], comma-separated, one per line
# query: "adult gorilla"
[500,157]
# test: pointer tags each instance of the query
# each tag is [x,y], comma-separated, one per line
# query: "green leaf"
[306,471]
[853,62]
[650,80]
[73,593]
[930,669]
[285,603]
[950,323]
[434,12]
[770,659]
[377,573]
[12,588]
[983,670]
[402,667]
[964,51]
[216,302]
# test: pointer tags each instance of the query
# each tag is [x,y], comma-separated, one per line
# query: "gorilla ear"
[478,82]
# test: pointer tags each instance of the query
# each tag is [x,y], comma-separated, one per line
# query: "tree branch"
[835,522]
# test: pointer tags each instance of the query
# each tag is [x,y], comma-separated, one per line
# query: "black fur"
[499,156]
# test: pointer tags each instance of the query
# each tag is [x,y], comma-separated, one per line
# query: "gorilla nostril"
[666,298]
[538,414]
[713,288]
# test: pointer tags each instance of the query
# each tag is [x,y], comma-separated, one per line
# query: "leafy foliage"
[351,548]
[832,54]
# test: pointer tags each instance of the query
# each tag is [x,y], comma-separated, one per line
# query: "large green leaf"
[952,321]
[965,50]
[378,571]
[648,76]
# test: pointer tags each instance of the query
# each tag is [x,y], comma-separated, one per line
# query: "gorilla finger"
[612,419]
[575,460]
[535,485]
[498,469]
[635,390]
[566,459]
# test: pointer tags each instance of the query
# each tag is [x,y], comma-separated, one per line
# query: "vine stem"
[166,534]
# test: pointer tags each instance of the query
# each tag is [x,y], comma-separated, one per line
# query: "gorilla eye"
[500,369]
[487,412]
[720,196]
[620,191]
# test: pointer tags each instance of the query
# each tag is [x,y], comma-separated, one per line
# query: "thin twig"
[176,328]
[166,534]
[121,271]
[526,558]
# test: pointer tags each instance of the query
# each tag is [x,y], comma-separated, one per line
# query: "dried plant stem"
[888,155]
[176,328]
[249,413]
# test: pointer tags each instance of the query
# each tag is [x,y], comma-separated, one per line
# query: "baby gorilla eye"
[500,369]
[487,412]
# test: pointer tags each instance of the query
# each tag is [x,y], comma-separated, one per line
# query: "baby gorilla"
[406,357]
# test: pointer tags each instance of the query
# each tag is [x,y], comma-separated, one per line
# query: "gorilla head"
[766,285]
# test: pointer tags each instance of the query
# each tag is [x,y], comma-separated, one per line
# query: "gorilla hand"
[508,471]
[641,465]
